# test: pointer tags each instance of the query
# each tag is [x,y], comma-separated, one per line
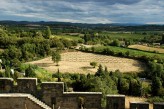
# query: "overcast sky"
[84,11]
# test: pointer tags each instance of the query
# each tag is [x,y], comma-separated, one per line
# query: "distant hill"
[66,23]
[106,27]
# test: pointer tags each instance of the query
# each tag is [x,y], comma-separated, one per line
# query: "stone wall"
[19,101]
[88,100]
[52,94]
[51,90]
[138,105]
[115,102]
[6,85]
[27,85]
[158,105]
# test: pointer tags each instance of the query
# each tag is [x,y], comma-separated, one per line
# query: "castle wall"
[27,85]
[92,100]
[51,90]
[115,102]
[158,105]
[17,102]
[52,93]
[6,85]
[137,105]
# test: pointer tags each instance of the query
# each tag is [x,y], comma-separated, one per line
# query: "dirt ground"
[79,62]
[146,48]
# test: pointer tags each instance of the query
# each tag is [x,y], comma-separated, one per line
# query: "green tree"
[100,71]
[66,43]
[85,38]
[162,39]
[48,32]
[3,33]
[7,72]
[122,86]
[12,52]
[135,87]
[56,57]
[156,85]
[94,64]
[29,72]
[116,43]
[59,76]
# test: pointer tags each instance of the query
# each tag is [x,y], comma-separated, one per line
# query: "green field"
[132,52]
[69,37]
[118,35]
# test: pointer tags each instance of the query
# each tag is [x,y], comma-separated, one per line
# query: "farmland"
[120,66]
[146,48]
[79,62]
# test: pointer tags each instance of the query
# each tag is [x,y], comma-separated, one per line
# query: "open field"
[69,37]
[146,48]
[132,52]
[79,62]
[124,35]
[129,99]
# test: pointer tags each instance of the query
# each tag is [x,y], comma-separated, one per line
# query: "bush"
[155,99]
[94,64]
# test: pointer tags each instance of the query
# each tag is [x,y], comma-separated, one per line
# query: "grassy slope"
[133,52]
[146,48]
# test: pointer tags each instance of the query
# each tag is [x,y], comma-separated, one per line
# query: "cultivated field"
[79,62]
[146,48]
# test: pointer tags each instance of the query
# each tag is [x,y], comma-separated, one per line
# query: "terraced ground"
[146,48]
[79,62]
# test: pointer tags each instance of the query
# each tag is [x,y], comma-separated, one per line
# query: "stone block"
[158,105]
[139,105]
[115,102]
[27,85]
[6,85]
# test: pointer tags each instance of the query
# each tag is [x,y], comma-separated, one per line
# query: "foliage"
[156,99]
[100,71]
[156,85]
[29,72]
[94,64]
[56,57]
[48,32]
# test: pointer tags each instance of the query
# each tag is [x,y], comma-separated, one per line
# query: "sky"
[84,11]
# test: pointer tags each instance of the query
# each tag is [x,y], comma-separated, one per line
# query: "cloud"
[84,11]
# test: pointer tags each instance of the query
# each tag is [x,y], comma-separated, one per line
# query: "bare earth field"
[146,48]
[79,62]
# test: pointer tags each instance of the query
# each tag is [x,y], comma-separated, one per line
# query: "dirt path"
[79,62]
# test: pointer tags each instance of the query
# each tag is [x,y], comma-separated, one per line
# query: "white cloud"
[92,11]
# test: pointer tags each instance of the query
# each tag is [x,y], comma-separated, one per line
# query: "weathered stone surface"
[139,105]
[52,94]
[6,85]
[27,85]
[51,90]
[158,105]
[115,102]
[20,101]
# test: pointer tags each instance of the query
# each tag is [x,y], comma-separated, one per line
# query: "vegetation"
[94,64]
[56,57]
[20,43]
